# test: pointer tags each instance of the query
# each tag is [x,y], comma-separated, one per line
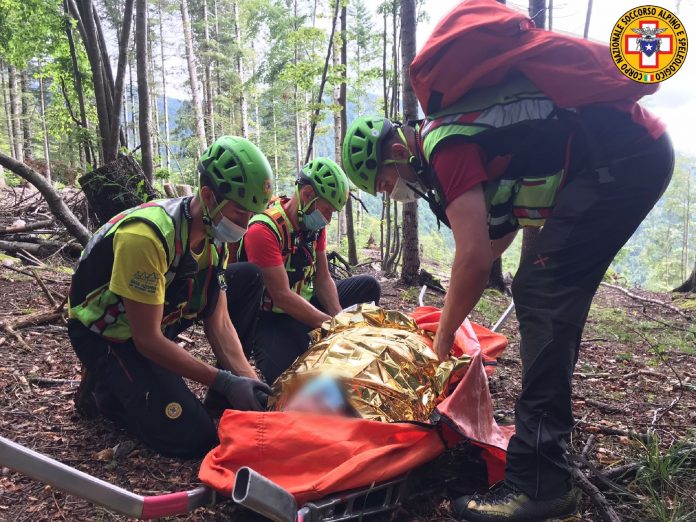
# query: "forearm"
[174,358]
[468,280]
[299,308]
[326,292]
[228,351]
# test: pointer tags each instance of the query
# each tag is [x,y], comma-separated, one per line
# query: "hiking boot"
[85,402]
[505,503]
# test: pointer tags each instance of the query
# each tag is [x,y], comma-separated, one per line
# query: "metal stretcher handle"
[257,493]
[45,469]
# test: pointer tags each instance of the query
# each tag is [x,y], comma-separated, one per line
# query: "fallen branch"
[27,227]
[601,477]
[45,289]
[600,501]
[602,406]
[606,430]
[9,328]
[41,248]
[32,320]
[58,207]
[45,381]
[647,299]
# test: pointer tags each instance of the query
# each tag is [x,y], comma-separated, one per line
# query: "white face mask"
[402,192]
[227,231]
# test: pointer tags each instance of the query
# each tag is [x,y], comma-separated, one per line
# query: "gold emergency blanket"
[383,360]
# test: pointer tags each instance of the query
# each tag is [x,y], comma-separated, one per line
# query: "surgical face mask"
[314,221]
[227,231]
[402,192]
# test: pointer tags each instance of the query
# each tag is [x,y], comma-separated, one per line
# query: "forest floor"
[634,378]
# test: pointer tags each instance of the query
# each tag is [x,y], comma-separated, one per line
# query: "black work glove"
[242,393]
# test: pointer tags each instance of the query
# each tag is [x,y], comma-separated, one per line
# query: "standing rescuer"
[288,243]
[504,155]
[147,275]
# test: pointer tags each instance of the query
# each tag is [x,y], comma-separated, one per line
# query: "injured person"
[369,363]
[366,403]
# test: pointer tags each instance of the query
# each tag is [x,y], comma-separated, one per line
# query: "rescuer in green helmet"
[148,274]
[503,157]
[288,243]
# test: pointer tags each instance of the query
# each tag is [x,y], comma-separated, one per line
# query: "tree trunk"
[42,102]
[386,202]
[9,117]
[26,118]
[112,151]
[14,113]
[350,226]
[116,186]
[550,16]
[394,107]
[165,103]
[529,240]
[496,280]
[240,71]
[537,12]
[275,143]
[131,101]
[193,78]
[313,124]
[588,17]
[690,284]
[154,102]
[298,143]
[141,37]
[411,251]
[79,91]
[86,21]
[55,203]
[208,88]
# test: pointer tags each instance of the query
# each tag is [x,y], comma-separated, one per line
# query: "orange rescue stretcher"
[291,466]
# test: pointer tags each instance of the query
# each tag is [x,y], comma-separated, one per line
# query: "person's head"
[322,189]
[321,394]
[378,158]
[234,183]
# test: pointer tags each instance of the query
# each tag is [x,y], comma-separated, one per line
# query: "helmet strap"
[302,209]
[208,216]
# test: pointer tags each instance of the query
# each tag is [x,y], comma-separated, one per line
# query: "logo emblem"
[173,410]
[649,44]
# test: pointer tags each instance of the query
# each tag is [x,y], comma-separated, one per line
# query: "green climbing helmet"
[328,180]
[362,150]
[238,171]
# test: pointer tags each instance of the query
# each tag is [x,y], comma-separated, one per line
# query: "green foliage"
[29,29]
[660,255]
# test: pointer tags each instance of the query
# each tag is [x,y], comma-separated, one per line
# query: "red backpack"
[481,42]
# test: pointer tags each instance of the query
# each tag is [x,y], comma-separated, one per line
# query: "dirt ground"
[634,376]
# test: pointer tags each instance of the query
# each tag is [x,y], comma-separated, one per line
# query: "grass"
[492,305]
[665,481]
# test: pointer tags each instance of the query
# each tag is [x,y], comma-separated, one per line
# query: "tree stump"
[689,285]
[115,187]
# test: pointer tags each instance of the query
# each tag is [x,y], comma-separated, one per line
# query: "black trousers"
[280,339]
[596,213]
[153,403]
